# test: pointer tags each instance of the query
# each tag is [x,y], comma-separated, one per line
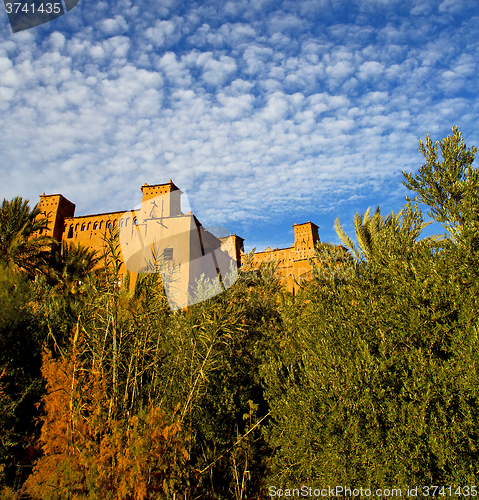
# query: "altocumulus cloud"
[276,107]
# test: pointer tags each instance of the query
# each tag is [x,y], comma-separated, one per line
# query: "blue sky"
[267,112]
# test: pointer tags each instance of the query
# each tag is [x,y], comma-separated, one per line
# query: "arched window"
[95,226]
[88,226]
[101,224]
[108,225]
[70,232]
[83,227]
[135,222]
[122,223]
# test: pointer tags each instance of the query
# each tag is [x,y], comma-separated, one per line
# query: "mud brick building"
[161,228]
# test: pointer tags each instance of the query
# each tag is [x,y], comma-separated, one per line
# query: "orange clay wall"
[56,208]
[89,230]
[293,264]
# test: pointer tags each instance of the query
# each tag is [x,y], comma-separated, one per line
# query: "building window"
[108,225]
[83,227]
[135,222]
[95,225]
[70,232]
[168,254]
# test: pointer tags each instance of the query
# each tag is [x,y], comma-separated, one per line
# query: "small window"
[95,225]
[70,232]
[135,222]
[122,223]
[83,227]
[108,225]
[168,254]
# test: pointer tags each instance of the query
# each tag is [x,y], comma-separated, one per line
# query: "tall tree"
[22,247]
[72,265]
[407,224]
[366,228]
[449,186]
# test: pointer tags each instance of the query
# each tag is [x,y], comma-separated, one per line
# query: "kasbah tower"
[89,231]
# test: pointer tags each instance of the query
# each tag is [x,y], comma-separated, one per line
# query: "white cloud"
[114,26]
[217,72]
[176,72]
[256,58]
[340,70]
[234,108]
[283,22]
[160,32]
[243,106]
[57,40]
[370,70]
[451,6]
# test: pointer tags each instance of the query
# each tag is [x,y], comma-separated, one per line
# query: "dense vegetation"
[367,377]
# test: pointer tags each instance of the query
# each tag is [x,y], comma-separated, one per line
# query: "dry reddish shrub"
[86,454]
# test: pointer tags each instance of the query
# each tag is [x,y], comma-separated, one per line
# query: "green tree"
[22,247]
[371,230]
[366,228]
[374,382]
[449,186]
[231,332]
[22,335]
[72,265]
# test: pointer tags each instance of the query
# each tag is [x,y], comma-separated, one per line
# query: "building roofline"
[120,212]
[58,194]
[304,223]
[98,215]
[292,247]
[176,188]
[226,237]
[275,250]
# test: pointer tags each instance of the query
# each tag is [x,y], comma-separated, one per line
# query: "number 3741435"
[44,8]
